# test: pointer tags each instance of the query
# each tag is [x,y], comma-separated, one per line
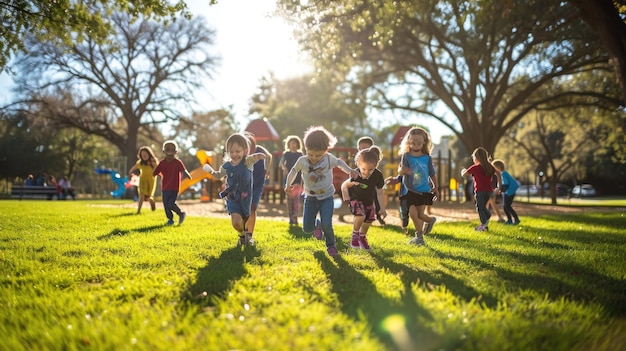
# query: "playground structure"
[125,188]
[210,186]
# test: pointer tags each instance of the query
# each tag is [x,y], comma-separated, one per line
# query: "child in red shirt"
[482,170]
[170,169]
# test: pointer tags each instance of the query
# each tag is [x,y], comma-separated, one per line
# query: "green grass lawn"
[92,275]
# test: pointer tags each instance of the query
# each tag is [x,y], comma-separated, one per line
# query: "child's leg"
[508,202]
[326,207]
[291,208]
[140,200]
[311,208]
[417,222]
[169,200]
[237,222]
[481,207]
[404,214]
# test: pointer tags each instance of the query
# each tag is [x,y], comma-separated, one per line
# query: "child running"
[361,193]
[260,172]
[293,151]
[146,163]
[170,170]
[508,189]
[482,171]
[317,173]
[417,171]
[237,168]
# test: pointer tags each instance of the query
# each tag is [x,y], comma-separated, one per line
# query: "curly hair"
[318,138]
[405,146]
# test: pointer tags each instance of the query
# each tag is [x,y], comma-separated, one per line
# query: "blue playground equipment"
[117,179]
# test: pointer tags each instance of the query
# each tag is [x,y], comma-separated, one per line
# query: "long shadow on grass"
[215,279]
[297,233]
[359,298]
[611,220]
[552,278]
[410,276]
[116,232]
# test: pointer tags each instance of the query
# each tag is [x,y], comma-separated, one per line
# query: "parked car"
[584,190]
[525,190]
[561,189]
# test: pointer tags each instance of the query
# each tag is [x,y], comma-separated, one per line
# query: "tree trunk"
[603,18]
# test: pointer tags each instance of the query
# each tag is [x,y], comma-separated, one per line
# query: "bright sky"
[251,43]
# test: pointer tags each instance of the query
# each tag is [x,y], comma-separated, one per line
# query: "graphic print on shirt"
[316,174]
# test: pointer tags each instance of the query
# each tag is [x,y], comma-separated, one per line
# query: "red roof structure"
[262,130]
[397,138]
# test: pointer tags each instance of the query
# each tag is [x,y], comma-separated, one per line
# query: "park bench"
[33,192]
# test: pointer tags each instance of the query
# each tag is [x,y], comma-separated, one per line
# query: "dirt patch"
[444,211]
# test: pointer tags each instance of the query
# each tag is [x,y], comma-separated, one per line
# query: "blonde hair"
[406,139]
[291,138]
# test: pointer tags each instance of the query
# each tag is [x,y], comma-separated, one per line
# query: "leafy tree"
[475,66]
[143,76]
[607,18]
[71,20]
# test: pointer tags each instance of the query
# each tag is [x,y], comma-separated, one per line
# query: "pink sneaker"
[332,251]
[481,228]
[319,235]
[354,243]
[363,243]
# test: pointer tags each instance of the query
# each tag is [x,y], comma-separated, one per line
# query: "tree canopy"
[72,20]
[477,67]
[144,75]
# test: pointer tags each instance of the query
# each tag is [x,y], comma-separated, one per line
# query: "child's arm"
[291,176]
[435,190]
[344,167]
[464,173]
[132,170]
[345,186]
[380,193]
[186,173]
[268,162]
[258,156]
[499,177]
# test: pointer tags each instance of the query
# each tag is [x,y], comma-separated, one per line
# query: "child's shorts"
[357,208]
[418,199]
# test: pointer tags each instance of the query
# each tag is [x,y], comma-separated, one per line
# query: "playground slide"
[196,175]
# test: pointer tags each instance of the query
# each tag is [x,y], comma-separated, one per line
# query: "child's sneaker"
[170,222]
[363,243]
[516,222]
[332,250]
[318,230]
[430,225]
[181,219]
[354,243]
[241,241]
[418,240]
[481,228]
[509,222]
[249,240]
